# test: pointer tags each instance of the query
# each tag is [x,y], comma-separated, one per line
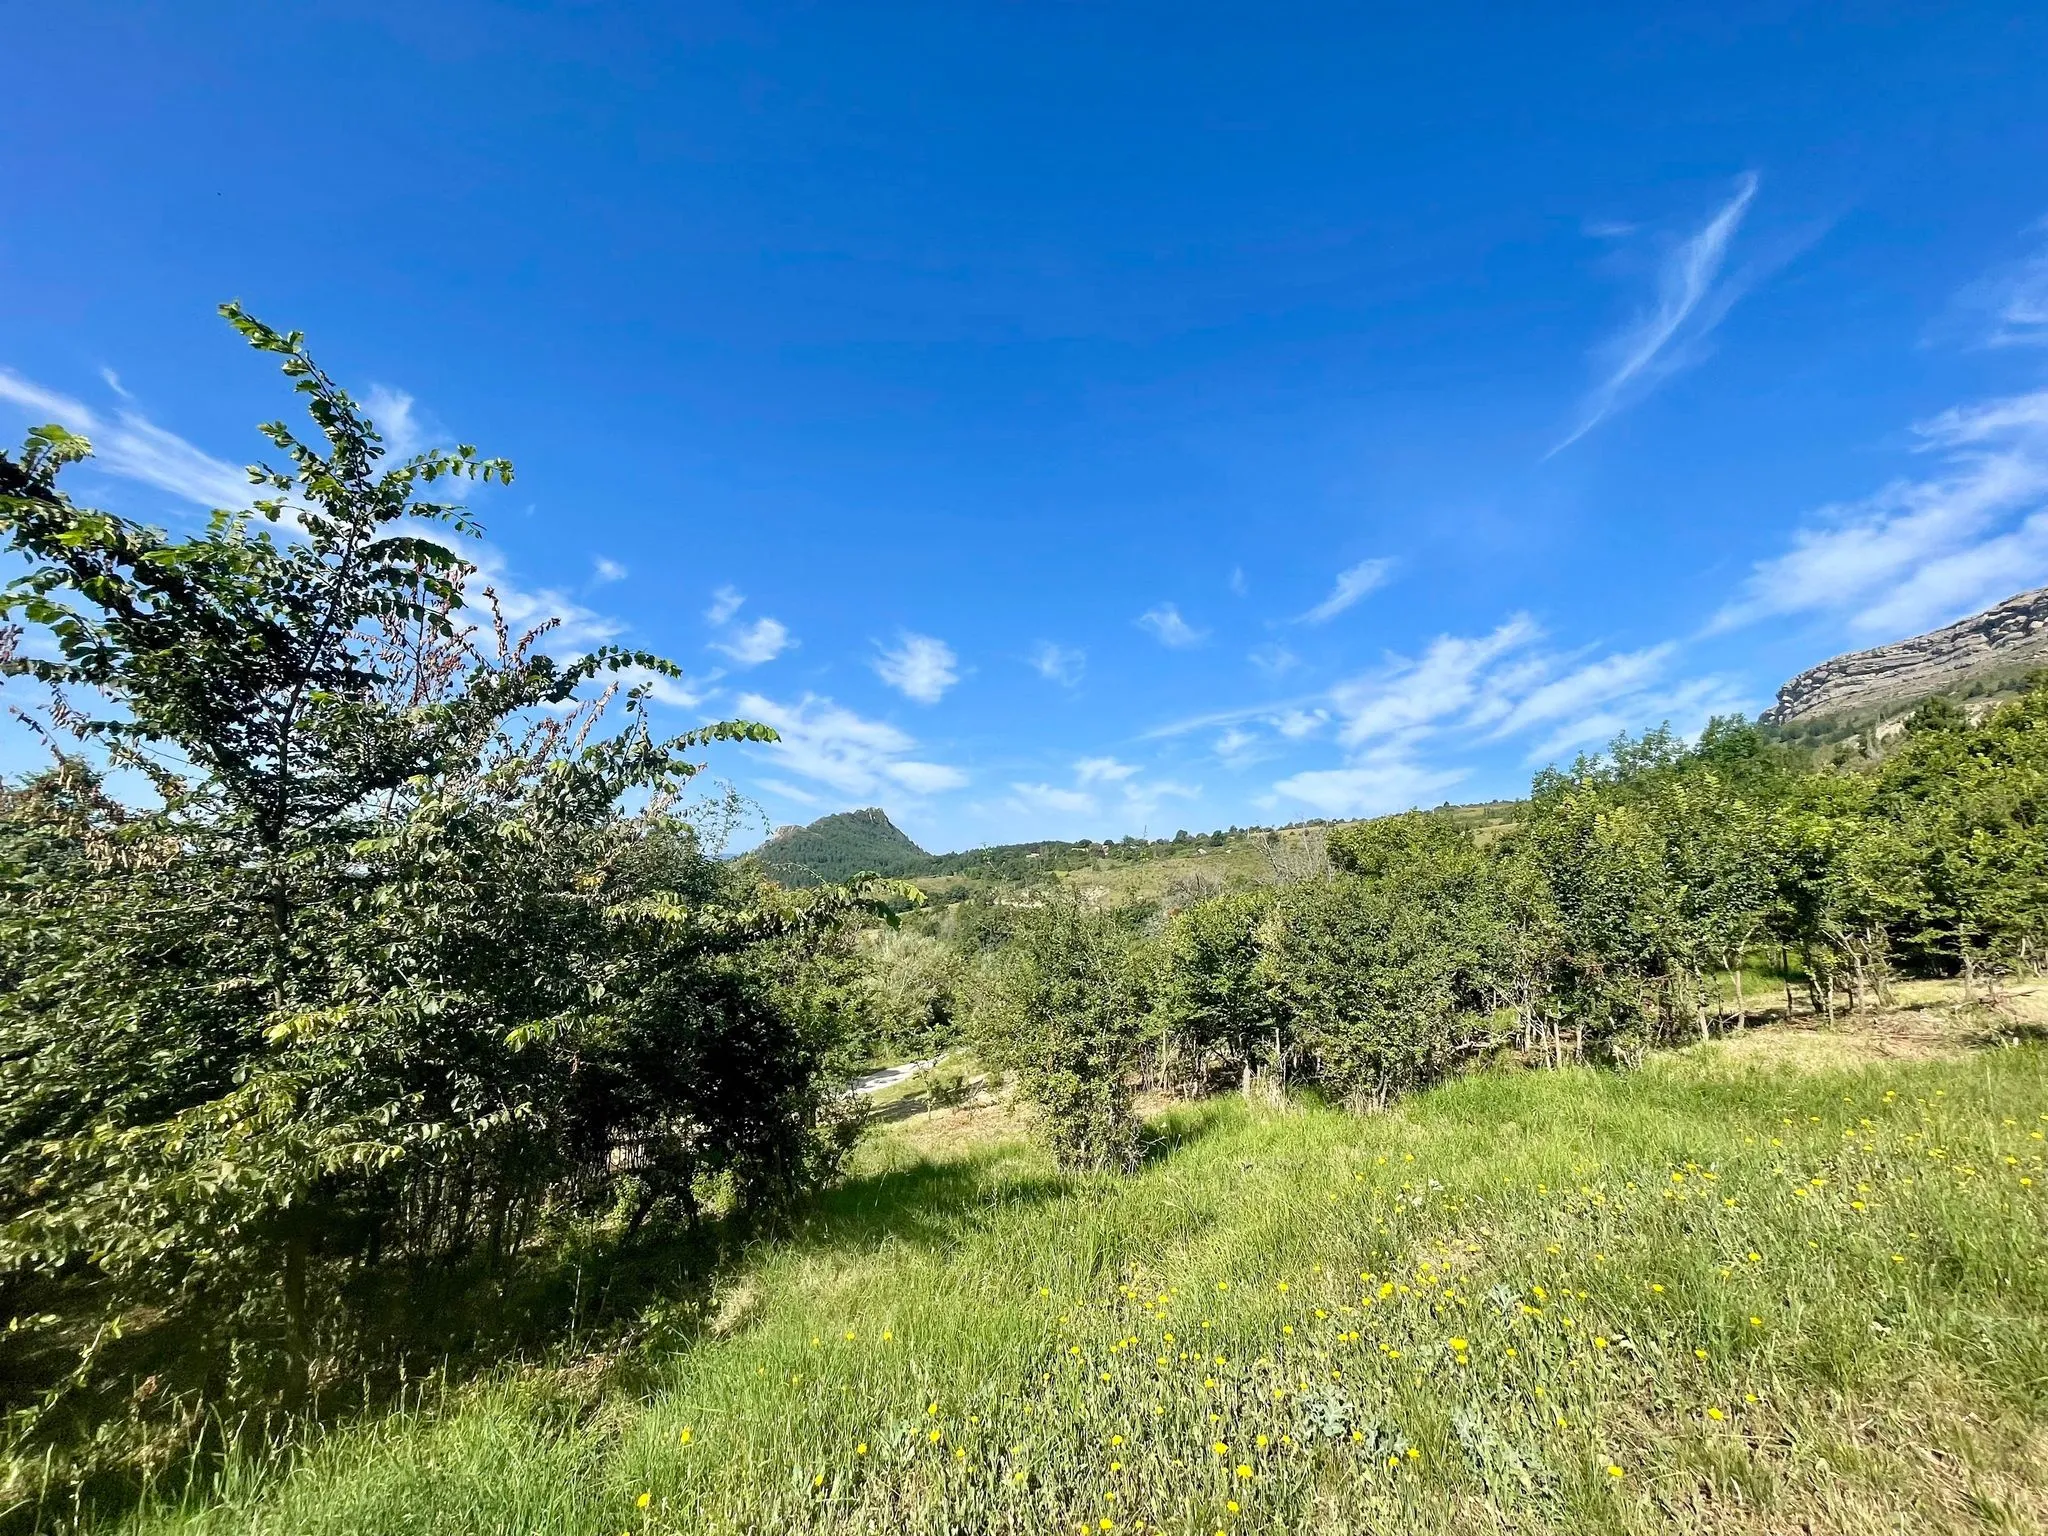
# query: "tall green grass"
[1706,1295]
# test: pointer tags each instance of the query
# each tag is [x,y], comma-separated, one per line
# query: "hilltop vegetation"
[835,848]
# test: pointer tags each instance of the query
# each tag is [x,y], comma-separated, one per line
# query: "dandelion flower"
[1716,1414]
[1612,1470]
[644,1500]
[1244,1469]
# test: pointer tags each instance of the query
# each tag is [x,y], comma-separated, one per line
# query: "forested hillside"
[839,846]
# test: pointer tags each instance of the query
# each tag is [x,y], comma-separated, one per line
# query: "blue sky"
[1070,420]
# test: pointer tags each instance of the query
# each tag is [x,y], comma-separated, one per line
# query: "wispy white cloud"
[1400,729]
[2012,302]
[926,778]
[1144,798]
[830,744]
[725,602]
[1688,304]
[1597,682]
[1103,770]
[578,628]
[1238,747]
[397,421]
[1922,551]
[1353,584]
[1104,790]
[1299,724]
[789,791]
[46,403]
[1049,797]
[1274,660]
[752,645]
[1686,708]
[1058,663]
[1238,585]
[604,569]
[130,445]
[686,693]
[1443,683]
[1374,786]
[759,642]
[919,668]
[1169,628]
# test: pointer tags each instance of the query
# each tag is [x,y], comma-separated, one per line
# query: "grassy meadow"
[1792,1281]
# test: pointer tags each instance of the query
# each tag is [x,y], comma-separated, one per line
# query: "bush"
[1389,968]
[910,985]
[1064,1018]
[1212,997]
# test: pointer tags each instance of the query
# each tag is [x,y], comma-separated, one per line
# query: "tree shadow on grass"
[930,1202]
[1180,1127]
[601,1303]
[598,1305]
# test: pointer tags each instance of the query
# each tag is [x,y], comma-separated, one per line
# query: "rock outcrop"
[1998,639]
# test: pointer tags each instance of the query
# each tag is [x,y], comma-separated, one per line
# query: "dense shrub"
[1213,1000]
[1064,1017]
[911,985]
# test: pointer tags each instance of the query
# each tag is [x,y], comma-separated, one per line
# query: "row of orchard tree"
[1629,908]
[395,958]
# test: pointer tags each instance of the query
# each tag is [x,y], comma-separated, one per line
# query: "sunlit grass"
[1717,1293]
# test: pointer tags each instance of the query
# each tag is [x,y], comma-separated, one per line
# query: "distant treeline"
[838,847]
[1623,911]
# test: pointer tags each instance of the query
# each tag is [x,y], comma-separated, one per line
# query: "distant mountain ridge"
[2001,639]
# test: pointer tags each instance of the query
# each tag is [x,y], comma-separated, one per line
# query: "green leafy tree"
[1212,996]
[389,983]
[1064,1017]
[1387,969]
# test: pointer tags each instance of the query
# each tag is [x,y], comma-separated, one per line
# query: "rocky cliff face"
[2011,634]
